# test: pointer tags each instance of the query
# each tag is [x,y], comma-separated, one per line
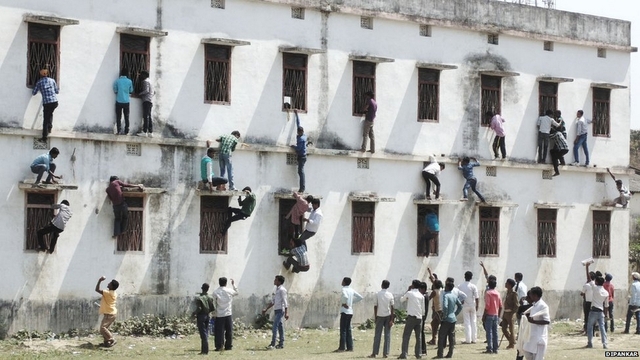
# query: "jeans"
[49,229]
[498,143]
[491,327]
[610,312]
[630,313]
[203,330]
[120,109]
[301,161]
[596,316]
[225,164]
[296,265]
[147,124]
[40,169]
[413,324]
[446,334]
[557,158]
[234,214]
[223,332]
[581,141]
[470,324]
[47,118]
[121,218]
[431,178]
[346,340]
[471,183]
[543,146]
[302,240]
[382,323]
[277,327]
[586,307]
[367,132]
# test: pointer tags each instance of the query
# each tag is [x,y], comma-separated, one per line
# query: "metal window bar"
[294,81]
[39,215]
[491,97]
[217,73]
[547,97]
[213,215]
[489,233]
[44,42]
[134,56]
[601,234]
[364,80]
[547,232]
[362,234]
[132,238]
[286,229]
[601,112]
[422,232]
[428,94]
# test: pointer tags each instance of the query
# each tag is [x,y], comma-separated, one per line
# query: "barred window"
[601,114]
[132,238]
[547,232]
[213,215]
[362,227]
[39,215]
[294,80]
[423,233]
[489,234]
[364,80]
[601,234]
[547,97]
[134,56]
[286,230]
[491,97]
[428,94]
[43,51]
[217,73]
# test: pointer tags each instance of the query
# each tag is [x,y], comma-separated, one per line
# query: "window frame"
[214,230]
[607,224]
[542,220]
[482,221]
[354,78]
[597,104]
[227,61]
[30,40]
[421,231]
[125,238]
[285,69]
[484,102]
[135,79]
[553,98]
[423,95]
[285,227]
[354,229]
[31,230]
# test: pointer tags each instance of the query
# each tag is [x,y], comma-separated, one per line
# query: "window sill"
[289,195]
[369,197]
[29,185]
[607,207]
[545,205]
[146,190]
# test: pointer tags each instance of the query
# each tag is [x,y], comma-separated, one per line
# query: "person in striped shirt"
[49,89]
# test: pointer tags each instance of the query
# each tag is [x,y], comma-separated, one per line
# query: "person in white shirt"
[430,175]
[55,227]
[587,297]
[538,318]
[384,316]
[581,139]
[415,304]
[599,297]
[312,223]
[280,311]
[469,308]
[625,195]
[348,298]
[544,128]
[520,288]
[223,330]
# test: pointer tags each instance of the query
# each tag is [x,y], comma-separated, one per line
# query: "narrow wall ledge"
[547,205]
[605,207]
[49,20]
[436,66]
[555,79]
[500,73]
[369,58]
[608,86]
[499,204]
[423,201]
[289,195]
[30,185]
[145,190]
[369,197]
[300,50]
[223,41]
[141,31]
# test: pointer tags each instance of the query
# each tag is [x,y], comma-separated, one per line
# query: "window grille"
[132,238]
[43,51]
[489,234]
[366,22]
[38,144]
[601,234]
[213,215]
[422,232]
[363,163]
[491,97]
[134,150]
[217,74]
[294,80]
[602,52]
[547,232]
[297,13]
[292,159]
[547,175]
[428,94]
[39,215]
[425,30]
[547,97]
[362,227]
[134,56]
[286,229]
[548,46]
[601,112]
[492,171]
[217,4]
[600,177]
[493,39]
[364,80]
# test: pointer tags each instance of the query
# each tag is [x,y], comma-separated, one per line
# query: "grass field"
[565,342]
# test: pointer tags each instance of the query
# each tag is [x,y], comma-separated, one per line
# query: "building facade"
[217,66]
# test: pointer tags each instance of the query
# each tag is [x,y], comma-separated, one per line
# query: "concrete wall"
[56,291]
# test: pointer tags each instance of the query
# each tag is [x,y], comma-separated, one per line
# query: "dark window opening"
[39,215]
[294,82]
[217,73]
[428,94]
[601,112]
[547,97]
[364,80]
[491,97]
[132,239]
[362,227]
[424,233]
[286,230]
[547,232]
[43,52]
[489,231]
[134,56]
[601,234]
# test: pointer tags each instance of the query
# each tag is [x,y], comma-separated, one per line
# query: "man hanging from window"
[235,214]
[296,214]
[209,179]
[120,208]
[227,146]
[48,88]
[122,87]
[55,227]
[625,195]
[370,109]
[44,164]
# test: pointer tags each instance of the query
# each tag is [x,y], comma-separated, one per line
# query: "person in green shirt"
[247,205]
[204,306]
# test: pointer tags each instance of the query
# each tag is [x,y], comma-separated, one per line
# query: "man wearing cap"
[49,89]
[634,303]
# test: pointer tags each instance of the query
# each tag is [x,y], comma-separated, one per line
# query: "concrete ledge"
[369,58]
[32,187]
[145,190]
[500,73]
[426,65]
[604,207]
[545,205]
[607,86]
[49,20]
[140,31]
[554,79]
[300,50]
[498,204]
[222,41]
[284,195]
[369,197]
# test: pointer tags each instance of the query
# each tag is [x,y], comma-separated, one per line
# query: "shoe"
[575,163]
[142,134]
[338,350]
[111,343]
[461,199]
[372,151]
[604,346]
[50,251]
[428,198]
[637,333]
[271,347]
[496,158]
[556,174]
[301,191]
[45,249]
[431,342]
[589,346]
[284,263]
[279,346]
[625,332]
[233,189]
[402,357]
[363,150]
[372,356]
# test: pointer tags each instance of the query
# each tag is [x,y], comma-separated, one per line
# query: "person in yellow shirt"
[108,309]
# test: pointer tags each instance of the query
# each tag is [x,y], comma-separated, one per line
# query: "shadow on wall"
[268,120]
[15,54]
[406,129]
[338,131]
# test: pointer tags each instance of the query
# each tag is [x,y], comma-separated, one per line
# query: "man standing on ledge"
[370,109]
[44,164]
[301,151]
[122,87]
[227,146]
[48,88]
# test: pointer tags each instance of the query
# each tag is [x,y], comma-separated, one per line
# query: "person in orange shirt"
[108,309]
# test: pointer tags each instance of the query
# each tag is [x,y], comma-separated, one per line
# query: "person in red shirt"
[120,208]
[492,310]
[609,287]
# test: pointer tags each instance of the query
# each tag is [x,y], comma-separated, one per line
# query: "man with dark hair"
[44,164]
[466,165]
[495,123]
[204,306]
[348,298]
[312,222]
[581,138]
[430,175]
[146,94]
[587,295]
[608,309]
[559,148]
[520,288]
[301,150]
[120,207]
[280,310]
[510,310]
[415,302]
[296,214]
[123,87]
[223,331]
[599,297]
[209,179]
[451,307]
[370,109]
[432,229]
[227,146]
[383,313]
[49,89]
[538,318]
[425,312]
[108,309]
[55,227]
[235,214]
[545,122]
[625,195]
[634,303]
[492,310]
[469,308]
[299,244]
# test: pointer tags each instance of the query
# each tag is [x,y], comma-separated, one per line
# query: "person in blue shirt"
[467,165]
[44,164]
[48,88]
[432,229]
[451,307]
[301,151]
[122,87]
